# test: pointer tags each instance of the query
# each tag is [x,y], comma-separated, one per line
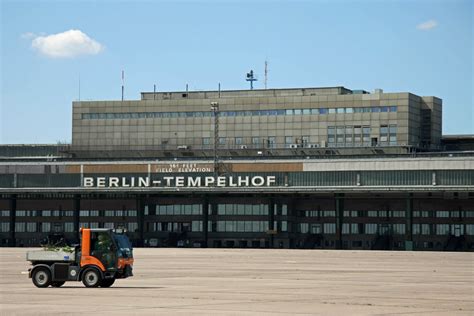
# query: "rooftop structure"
[271,121]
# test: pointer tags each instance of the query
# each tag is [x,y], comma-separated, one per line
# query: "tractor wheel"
[107,282]
[57,283]
[91,278]
[41,277]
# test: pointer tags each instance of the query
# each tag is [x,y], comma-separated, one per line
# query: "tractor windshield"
[124,245]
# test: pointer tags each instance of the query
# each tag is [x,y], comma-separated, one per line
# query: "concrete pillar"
[12,237]
[140,202]
[409,222]
[205,222]
[77,210]
[271,220]
[339,207]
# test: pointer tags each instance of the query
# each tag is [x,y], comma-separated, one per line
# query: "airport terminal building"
[328,168]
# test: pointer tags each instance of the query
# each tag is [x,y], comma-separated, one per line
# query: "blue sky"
[424,47]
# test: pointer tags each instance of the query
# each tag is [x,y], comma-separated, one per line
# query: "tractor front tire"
[41,277]
[91,278]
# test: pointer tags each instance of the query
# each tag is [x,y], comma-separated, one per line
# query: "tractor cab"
[108,249]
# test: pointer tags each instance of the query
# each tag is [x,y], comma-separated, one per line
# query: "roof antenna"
[154,91]
[266,73]
[123,83]
[250,77]
[219,89]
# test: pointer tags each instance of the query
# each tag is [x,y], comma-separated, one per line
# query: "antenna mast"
[266,74]
[123,83]
[250,77]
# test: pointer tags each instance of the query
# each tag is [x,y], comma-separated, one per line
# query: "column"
[77,210]
[140,219]
[339,207]
[205,222]
[11,239]
[271,220]
[409,222]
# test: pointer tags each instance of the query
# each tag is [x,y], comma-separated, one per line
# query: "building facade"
[424,203]
[326,168]
[256,119]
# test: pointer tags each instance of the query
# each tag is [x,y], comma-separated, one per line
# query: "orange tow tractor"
[103,256]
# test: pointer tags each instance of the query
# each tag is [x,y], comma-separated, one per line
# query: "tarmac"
[256,282]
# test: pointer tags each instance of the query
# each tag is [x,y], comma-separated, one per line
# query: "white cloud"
[428,25]
[68,44]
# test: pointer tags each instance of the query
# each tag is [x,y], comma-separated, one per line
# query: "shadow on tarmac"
[118,287]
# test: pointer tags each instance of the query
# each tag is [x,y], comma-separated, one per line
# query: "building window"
[20,227]
[470,229]
[271,142]
[132,227]
[442,229]
[222,140]
[370,228]
[45,227]
[68,227]
[329,228]
[4,227]
[206,141]
[255,141]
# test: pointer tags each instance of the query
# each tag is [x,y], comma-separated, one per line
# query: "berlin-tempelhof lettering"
[179,181]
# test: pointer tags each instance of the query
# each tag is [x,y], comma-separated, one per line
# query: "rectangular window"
[345,229]
[354,228]
[132,227]
[323,111]
[271,142]
[370,228]
[238,140]
[329,228]
[46,227]
[442,229]
[393,109]
[332,111]
[314,111]
[222,140]
[68,227]
[4,227]
[255,141]
[31,227]
[340,110]
[470,229]
[349,110]
[20,227]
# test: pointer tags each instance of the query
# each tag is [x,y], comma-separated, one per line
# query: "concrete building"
[311,118]
[293,168]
